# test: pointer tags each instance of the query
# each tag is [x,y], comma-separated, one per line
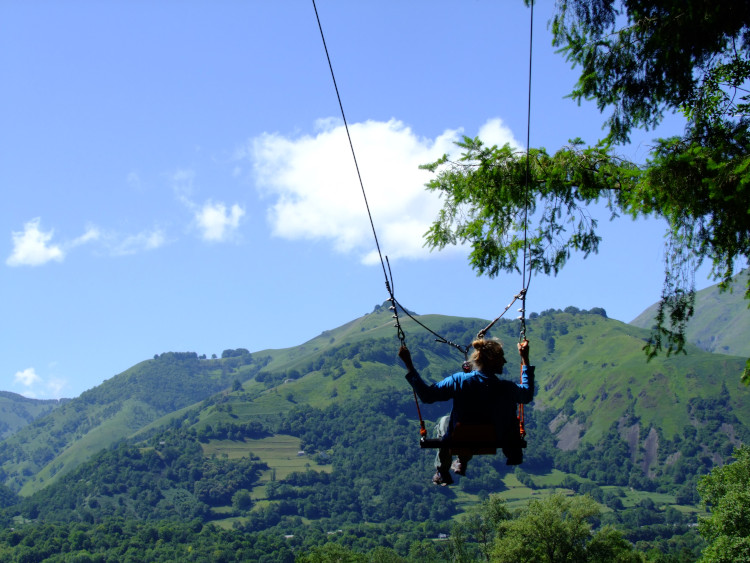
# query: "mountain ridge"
[593,376]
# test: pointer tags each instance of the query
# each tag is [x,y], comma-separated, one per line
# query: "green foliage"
[701,186]
[720,322]
[472,537]
[557,529]
[7,497]
[726,493]
[487,203]
[330,553]
[642,59]
[129,540]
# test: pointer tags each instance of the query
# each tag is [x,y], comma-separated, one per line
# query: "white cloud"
[27,377]
[31,246]
[145,240]
[317,195]
[35,386]
[216,222]
[317,191]
[494,132]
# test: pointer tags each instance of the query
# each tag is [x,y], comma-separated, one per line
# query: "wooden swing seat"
[471,439]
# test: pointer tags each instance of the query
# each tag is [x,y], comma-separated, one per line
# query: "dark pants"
[443,458]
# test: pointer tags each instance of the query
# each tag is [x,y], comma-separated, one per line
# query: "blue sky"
[176,176]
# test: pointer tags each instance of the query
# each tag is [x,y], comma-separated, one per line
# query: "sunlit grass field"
[280,452]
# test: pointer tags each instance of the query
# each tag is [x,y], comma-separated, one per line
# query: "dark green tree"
[726,493]
[330,553]
[242,501]
[480,525]
[641,60]
[558,529]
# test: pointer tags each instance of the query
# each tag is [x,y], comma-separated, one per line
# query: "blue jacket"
[479,398]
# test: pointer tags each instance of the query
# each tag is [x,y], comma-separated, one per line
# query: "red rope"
[422,429]
[521,427]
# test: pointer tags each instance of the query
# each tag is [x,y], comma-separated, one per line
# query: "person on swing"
[479,397]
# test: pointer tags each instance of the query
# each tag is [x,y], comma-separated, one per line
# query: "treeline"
[549,529]
[169,478]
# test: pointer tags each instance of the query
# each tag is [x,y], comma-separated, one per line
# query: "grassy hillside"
[592,377]
[599,370]
[721,323]
[54,444]
[592,380]
[324,436]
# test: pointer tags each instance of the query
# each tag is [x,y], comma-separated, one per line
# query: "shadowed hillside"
[16,411]
[721,323]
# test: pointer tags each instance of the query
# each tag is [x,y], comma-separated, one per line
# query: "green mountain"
[324,436]
[16,411]
[721,322]
[592,375]
[52,445]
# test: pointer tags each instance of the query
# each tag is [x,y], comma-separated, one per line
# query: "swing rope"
[387,273]
[526,267]
[388,281]
[526,282]
[395,305]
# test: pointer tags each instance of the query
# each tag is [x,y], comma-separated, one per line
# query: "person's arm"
[405,356]
[526,386]
[427,393]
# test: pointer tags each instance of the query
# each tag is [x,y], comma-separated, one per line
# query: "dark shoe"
[514,455]
[442,479]
[515,460]
[458,467]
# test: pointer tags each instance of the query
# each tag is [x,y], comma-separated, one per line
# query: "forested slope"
[16,411]
[56,443]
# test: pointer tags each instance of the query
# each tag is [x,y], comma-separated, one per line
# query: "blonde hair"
[488,355]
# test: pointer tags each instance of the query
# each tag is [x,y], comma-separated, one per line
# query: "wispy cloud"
[35,386]
[31,247]
[133,244]
[182,184]
[316,193]
[92,233]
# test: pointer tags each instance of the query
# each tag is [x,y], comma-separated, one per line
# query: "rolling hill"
[592,377]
